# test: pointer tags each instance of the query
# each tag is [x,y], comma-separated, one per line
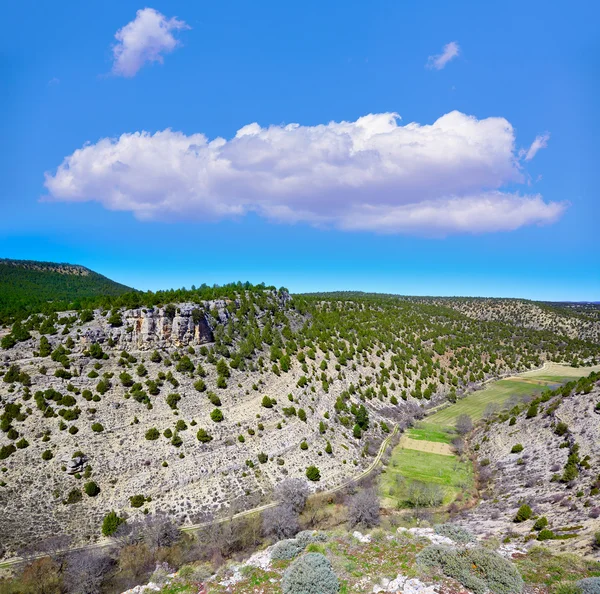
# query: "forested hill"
[26,285]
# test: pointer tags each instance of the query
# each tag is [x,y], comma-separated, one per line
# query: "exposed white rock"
[428,533]
[405,585]
[364,538]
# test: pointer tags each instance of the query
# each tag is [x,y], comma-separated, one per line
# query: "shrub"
[172,400]
[540,523]
[517,448]
[561,428]
[464,424]
[292,492]
[111,522]
[310,574]
[137,500]
[363,508]
[589,585]
[545,534]
[152,434]
[91,489]
[285,550]
[307,537]
[47,455]
[524,513]
[74,496]
[200,385]
[216,415]
[280,522]
[262,457]
[478,569]
[267,402]
[203,436]
[313,474]
[97,427]
[22,443]
[454,532]
[532,411]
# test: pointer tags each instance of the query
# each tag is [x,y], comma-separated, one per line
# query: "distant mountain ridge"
[60,267]
[26,285]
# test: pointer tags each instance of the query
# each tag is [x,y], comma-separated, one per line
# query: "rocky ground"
[70,417]
[523,459]
[193,481]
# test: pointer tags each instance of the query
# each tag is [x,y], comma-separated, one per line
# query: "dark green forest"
[27,287]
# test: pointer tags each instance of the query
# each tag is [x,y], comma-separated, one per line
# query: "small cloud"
[53,81]
[450,51]
[145,39]
[540,142]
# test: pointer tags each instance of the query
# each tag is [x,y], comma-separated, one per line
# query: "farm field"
[406,465]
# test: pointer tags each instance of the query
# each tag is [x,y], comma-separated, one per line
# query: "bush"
[540,523]
[516,449]
[561,428]
[47,455]
[454,532]
[285,550]
[91,489]
[363,508]
[137,500]
[292,492]
[589,585]
[310,574]
[280,522]
[477,569]
[307,537]
[216,415]
[173,400]
[524,513]
[203,436]
[545,534]
[111,522]
[97,427]
[313,474]
[152,434]
[6,451]
[74,496]
[464,424]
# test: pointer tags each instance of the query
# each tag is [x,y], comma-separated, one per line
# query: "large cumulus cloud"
[372,174]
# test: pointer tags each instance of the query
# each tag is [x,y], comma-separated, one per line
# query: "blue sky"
[150,225]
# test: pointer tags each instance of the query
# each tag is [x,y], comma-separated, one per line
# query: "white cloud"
[449,52]
[540,142]
[371,174]
[144,39]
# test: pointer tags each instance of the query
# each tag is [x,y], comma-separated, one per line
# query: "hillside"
[202,406]
[542,453]
[27,285]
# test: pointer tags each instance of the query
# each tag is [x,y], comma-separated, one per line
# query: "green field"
[475,403]
[405,465]
[429,432]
